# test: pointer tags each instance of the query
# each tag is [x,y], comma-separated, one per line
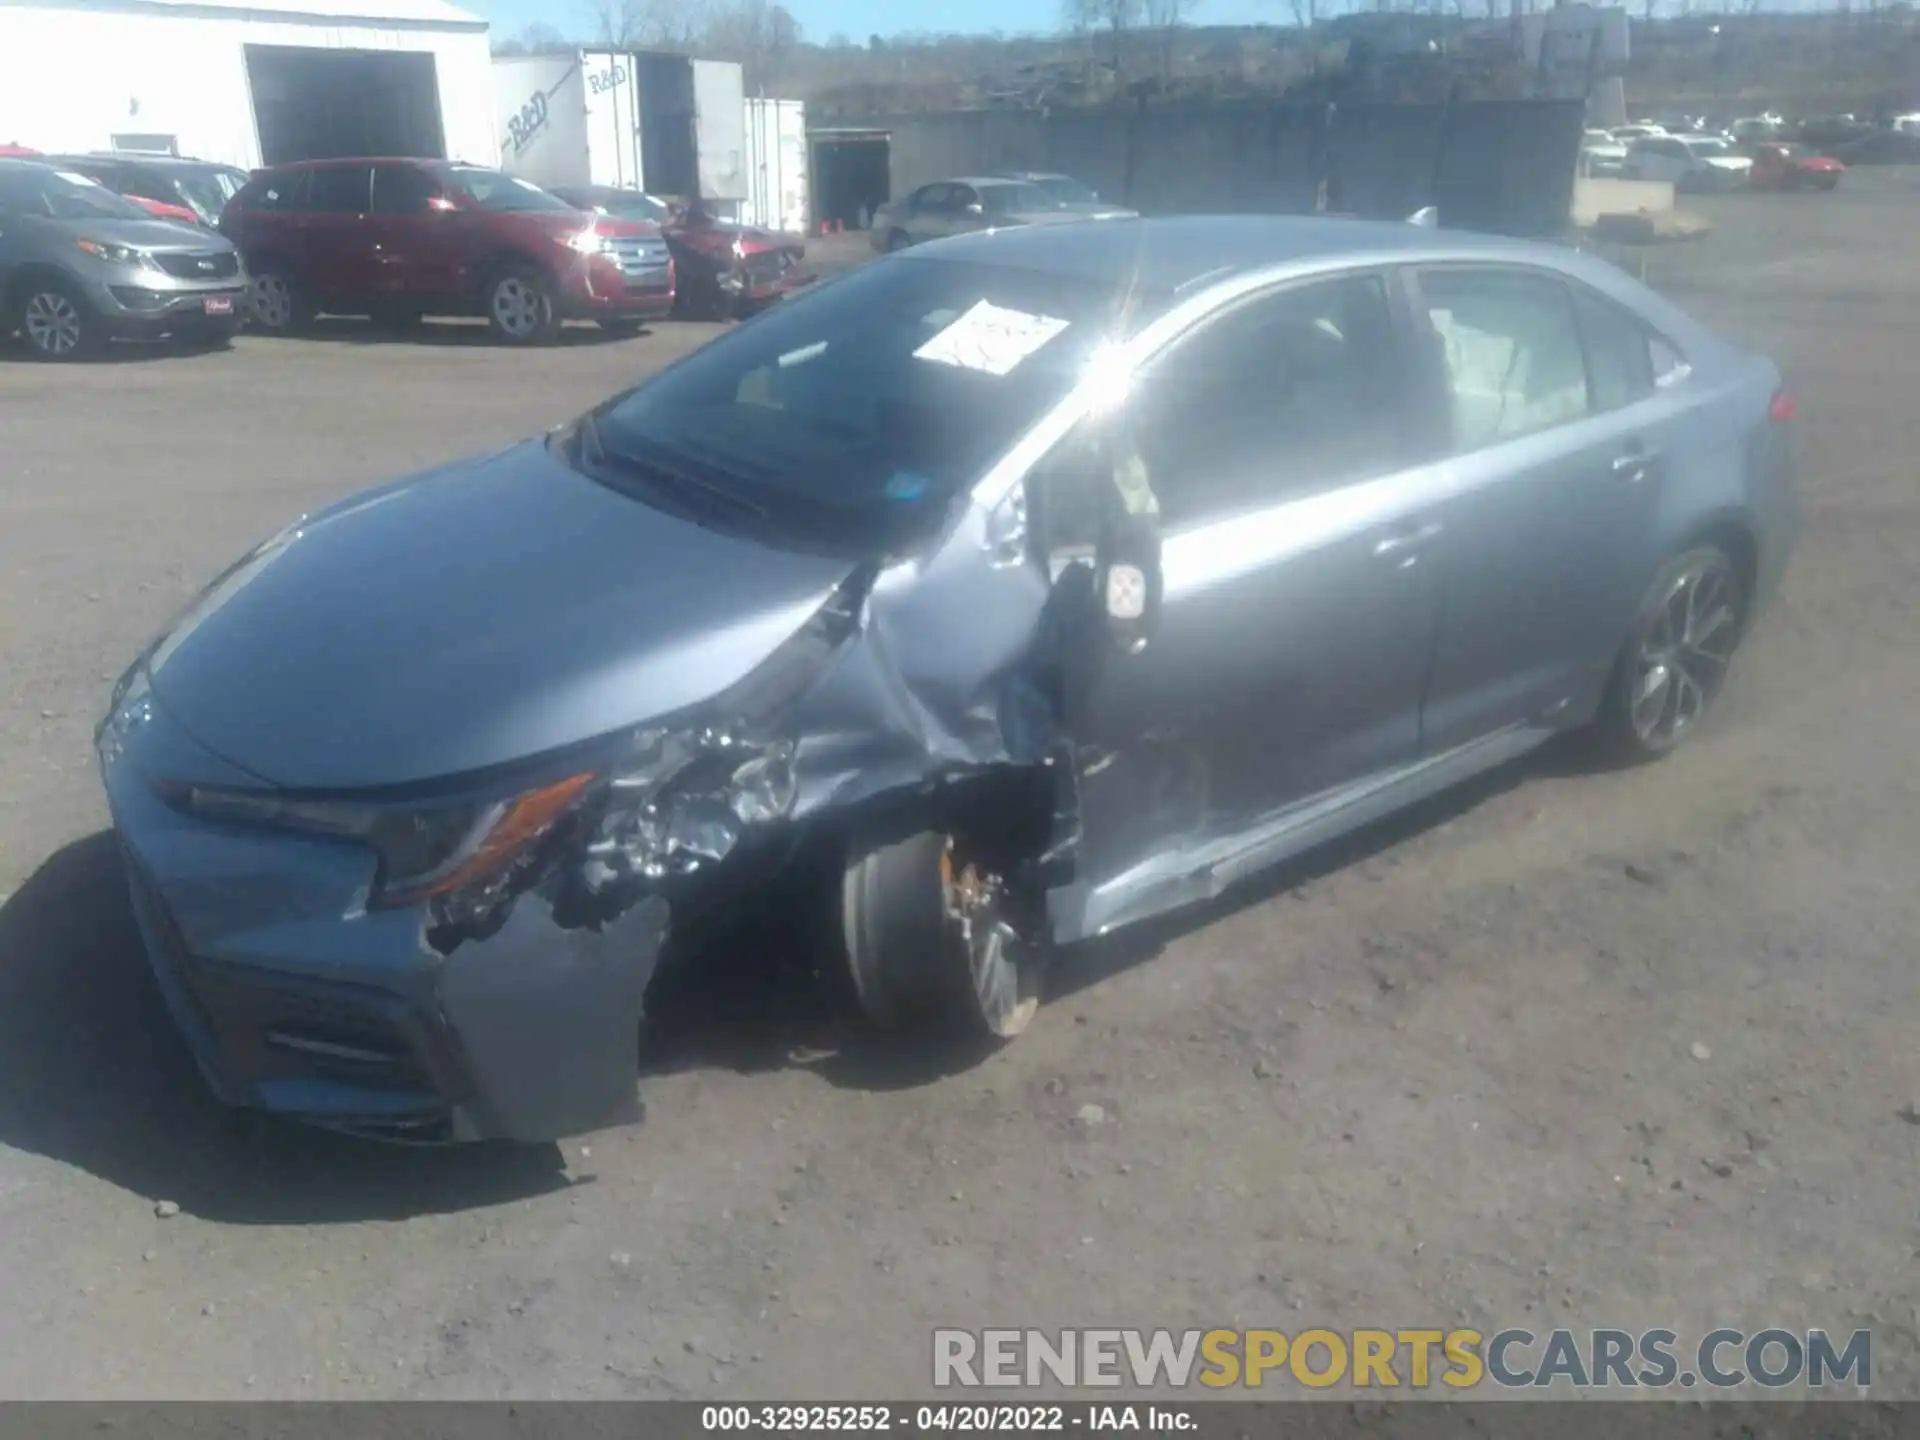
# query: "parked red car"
[161,210]
[196,191]
[1780,165]
[724,268]
[399,239]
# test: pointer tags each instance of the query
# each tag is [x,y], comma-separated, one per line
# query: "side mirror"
[976,208]
[1129,581]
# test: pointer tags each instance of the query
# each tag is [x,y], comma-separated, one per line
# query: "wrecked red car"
[1778,165]
[724,268]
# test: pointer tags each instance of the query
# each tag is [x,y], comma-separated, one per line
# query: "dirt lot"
[1447,1075]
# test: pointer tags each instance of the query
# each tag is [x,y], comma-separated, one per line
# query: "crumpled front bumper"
[297,999]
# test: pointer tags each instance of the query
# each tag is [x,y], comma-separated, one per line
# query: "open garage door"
[320,104]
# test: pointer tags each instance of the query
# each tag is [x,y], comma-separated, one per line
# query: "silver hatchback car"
[986,599]
[80,265]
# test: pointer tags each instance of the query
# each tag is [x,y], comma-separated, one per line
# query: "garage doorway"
[852,175]
[324,104]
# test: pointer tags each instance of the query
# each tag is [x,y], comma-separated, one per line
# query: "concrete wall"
[1492,165]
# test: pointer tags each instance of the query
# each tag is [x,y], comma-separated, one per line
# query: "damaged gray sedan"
[986,599]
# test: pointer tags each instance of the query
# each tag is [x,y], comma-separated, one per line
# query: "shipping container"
[661,123]
[777,184]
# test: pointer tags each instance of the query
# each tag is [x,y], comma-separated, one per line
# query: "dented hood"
[475,615]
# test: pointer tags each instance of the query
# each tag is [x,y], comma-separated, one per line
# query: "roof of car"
[1172,252]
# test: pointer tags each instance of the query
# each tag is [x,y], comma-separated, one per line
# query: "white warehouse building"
[247,82]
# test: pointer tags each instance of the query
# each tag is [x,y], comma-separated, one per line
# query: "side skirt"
[1199,869]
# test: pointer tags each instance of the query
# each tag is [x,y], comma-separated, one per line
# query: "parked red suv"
[398,239]
[723,268]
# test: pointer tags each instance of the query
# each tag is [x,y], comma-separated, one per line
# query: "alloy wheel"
[1684,655]
[52,323]
[516,307]
[272,302]
[1002,970]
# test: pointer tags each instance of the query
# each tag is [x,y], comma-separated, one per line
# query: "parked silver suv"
[80,265]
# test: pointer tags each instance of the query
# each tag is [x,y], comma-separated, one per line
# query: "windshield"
[1065,191]
[1015,199]
[853,415]
[208,191]
[497,190]
[629,205]
[61,195]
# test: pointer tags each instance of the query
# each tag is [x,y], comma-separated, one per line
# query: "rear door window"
[1512,352]
[340,190]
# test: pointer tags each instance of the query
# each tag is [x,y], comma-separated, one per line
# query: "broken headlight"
[426,850]
[680,800]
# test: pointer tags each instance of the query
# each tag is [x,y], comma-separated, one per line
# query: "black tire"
[277,303]
[898,240]
[54,320]
[622,329]
[520,308]
[924,949]
[1676,655]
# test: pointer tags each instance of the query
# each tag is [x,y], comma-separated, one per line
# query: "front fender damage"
[907,681]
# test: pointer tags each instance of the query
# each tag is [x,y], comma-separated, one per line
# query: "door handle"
[1633,466]
[1403,547]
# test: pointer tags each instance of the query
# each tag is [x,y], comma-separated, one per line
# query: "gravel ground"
[1566,1048]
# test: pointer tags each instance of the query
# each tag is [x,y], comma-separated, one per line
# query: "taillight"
[1783,408]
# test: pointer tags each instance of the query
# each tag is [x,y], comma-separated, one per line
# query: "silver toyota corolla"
[994,596]
[80,265]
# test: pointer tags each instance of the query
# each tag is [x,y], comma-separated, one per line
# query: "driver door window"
[1285,395]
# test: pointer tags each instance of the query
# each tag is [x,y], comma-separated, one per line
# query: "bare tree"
[652,24]
[760,34]
[1306,13]
[1164,18]
[1115,17]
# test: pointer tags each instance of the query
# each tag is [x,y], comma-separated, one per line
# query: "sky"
[820,19]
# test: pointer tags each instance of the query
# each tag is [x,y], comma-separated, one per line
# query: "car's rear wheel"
[1676,656]
[929,940]
[520,307]
[55,322]
[277,303]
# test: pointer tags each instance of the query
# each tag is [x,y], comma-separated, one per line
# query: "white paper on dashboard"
[990,338]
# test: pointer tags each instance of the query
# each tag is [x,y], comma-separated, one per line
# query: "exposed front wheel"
[277,303]
[898,240]
[520,307]
[929,940]
[55,322]
[1676,657]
